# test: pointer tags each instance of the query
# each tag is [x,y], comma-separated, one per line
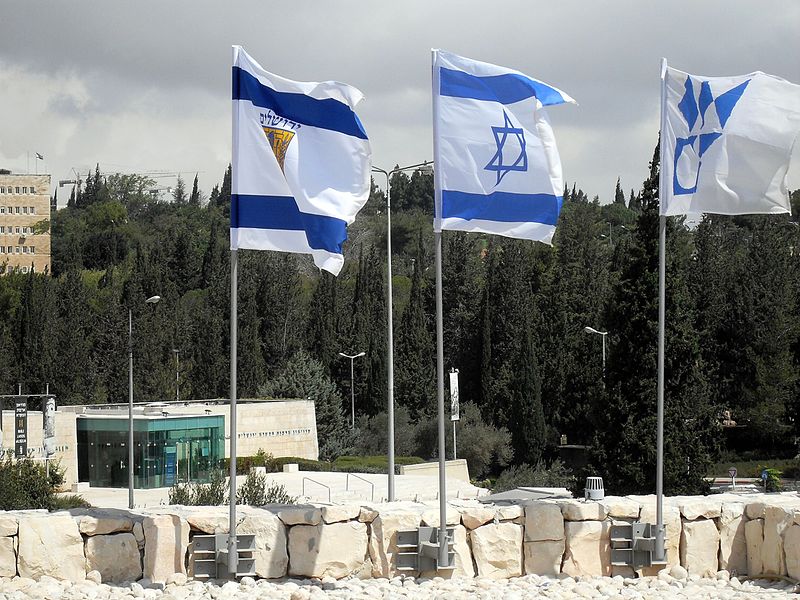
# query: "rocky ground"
[667,586]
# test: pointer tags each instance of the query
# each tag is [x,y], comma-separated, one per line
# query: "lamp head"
[153,300]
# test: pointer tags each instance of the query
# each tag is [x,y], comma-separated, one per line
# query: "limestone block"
[732,542]
[430,517]
[104,525]
[208,523]
[8,558]
[700,507]
[754,536]
[334,550]
[301,515]
[270,554]
[543,521]
[755,510]
[138,533]
[166,540]
[340,512]
[383,541]
[544,557]
[588,548]
[672,522]
[50,545]
[619,507]
[8,525]
[367,514]
[776,520]
[509,512]
[497,548]
[574,510]
[474,516]
[116,557]
[791,543]
[700,547]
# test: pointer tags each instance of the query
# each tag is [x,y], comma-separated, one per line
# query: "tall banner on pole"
[455,410]
[21,427]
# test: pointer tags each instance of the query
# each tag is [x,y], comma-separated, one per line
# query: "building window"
[33,210]
[16,209]
[25,210]
[17,250]
[16,190]
[24,190]
[17,230]
[33,249]
[2,210]
[2,249]
[2,189]
[24,269]
[2,229]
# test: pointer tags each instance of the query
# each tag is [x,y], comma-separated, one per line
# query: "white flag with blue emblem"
[727,143]
[301,163]
[497,165]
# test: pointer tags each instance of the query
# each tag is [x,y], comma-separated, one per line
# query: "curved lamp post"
[604,334]
[352,387]
[150,300]
[424,167]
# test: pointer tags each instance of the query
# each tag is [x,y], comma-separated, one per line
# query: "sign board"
[454,407]
[49,426]
[732,472]
[764,475]
[21,428]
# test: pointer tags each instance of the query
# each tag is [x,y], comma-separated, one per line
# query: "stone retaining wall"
[753,535]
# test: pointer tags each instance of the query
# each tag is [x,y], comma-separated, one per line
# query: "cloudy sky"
[145,86]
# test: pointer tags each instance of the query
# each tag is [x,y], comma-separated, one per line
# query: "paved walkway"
[313,486]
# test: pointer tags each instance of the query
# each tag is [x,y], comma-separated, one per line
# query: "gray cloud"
[146,85]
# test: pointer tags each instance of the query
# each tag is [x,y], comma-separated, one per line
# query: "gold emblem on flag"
[279,140]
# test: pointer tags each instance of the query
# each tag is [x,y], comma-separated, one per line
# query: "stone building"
[24,212]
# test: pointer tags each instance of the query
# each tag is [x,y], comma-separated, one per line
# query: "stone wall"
[753,535]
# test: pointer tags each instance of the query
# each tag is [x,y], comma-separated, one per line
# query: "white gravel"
[400,588]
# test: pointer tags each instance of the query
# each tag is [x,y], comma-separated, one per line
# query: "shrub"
[213,493]
[556,475]
[67,501]
[24,483]
[256,492]
[773,478]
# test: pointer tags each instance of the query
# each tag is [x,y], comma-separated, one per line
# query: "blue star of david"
[501,135]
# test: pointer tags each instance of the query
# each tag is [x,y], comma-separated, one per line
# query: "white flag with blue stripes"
[301,163]
[497,165]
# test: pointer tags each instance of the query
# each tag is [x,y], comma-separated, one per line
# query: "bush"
[67,501]
[24,483]
[213,493]
[557,475]
[255,492]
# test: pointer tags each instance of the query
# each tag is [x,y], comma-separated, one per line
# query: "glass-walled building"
[167,449]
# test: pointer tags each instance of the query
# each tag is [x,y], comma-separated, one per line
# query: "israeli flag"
[497,165]
[301,163]
[727,143]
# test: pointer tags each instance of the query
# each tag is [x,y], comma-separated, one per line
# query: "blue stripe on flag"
[502,206]
[506,89]
[281,212]
[326,114]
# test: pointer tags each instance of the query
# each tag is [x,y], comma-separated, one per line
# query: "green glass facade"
[167,450]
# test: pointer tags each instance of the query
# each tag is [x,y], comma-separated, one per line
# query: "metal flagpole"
[233,555]
[390,339]
[442,558]
[659,554]
[130,409]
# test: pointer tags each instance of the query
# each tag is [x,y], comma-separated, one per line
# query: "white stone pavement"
[306,485]
[399,588]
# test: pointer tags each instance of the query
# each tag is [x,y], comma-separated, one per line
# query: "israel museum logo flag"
[497,163]
[728,143]
[301,163]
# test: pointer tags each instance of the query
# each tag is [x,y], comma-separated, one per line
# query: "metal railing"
[327,487]
[371,485]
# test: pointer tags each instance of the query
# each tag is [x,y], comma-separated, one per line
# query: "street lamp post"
[150,300]
[177,376]
[424,166]
[604,334]
[352,387]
